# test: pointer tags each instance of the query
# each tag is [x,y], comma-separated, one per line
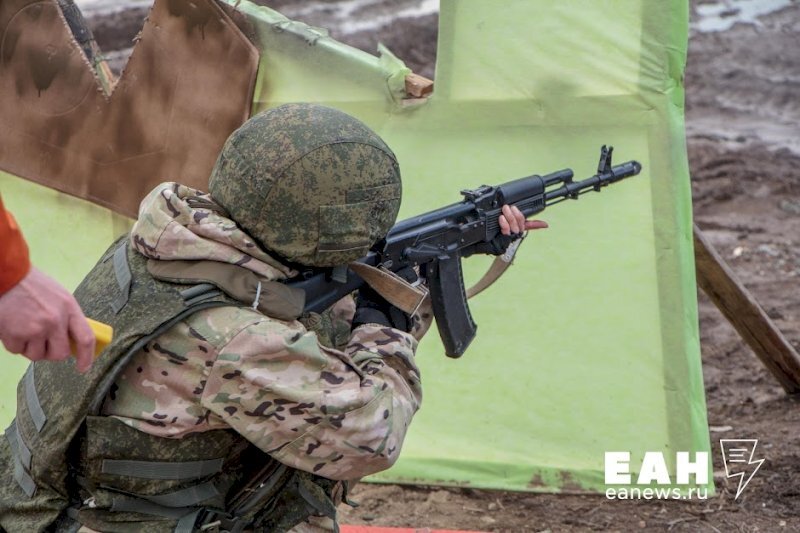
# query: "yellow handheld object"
[102,334]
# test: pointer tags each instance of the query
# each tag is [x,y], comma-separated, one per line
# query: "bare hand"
[37,319]
[513,221]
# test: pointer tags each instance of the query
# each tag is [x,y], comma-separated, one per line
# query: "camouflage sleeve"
[339,414]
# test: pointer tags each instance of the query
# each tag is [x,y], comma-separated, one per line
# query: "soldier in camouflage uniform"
[219,404]
[320,394]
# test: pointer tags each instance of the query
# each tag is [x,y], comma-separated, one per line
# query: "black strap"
[187,522]
[181,504]
[316,497]
[122,271]
[32,400]
[126,504]
[264,488]
[182,498]
[68,522]
[23,478]
[162,469]
[22,460]
[200,292]
[18,446]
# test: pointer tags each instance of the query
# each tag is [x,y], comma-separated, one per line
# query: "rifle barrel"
[614,174]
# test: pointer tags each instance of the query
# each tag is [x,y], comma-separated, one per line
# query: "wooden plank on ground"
[742,310]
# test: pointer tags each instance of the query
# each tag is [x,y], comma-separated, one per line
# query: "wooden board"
[745,314]
[187,85]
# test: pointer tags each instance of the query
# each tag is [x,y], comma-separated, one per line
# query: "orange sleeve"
[14,260]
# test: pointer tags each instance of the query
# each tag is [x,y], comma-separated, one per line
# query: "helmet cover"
[310,183]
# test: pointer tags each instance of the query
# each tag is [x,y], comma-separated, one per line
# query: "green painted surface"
[589,343]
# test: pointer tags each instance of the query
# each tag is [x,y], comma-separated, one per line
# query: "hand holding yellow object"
[103,334]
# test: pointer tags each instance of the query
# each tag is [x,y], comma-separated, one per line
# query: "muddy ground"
[743,116]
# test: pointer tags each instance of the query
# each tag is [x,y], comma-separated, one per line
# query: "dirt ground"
[743,116]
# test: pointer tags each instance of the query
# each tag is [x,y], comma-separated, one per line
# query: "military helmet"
[309,183]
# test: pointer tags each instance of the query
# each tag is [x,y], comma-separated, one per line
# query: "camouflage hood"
[177,222]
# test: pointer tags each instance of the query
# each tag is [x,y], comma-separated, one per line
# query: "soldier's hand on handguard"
[512,228]
[512,222]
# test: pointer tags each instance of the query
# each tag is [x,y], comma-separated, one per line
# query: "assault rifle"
[438,240]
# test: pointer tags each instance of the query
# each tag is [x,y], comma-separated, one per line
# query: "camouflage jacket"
[339,410]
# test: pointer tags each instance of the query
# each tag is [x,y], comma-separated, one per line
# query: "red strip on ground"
[375,529]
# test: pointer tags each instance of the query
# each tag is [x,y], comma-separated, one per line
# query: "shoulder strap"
[409,297]
[496,269]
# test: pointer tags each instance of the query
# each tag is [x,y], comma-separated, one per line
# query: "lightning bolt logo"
[738,457]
